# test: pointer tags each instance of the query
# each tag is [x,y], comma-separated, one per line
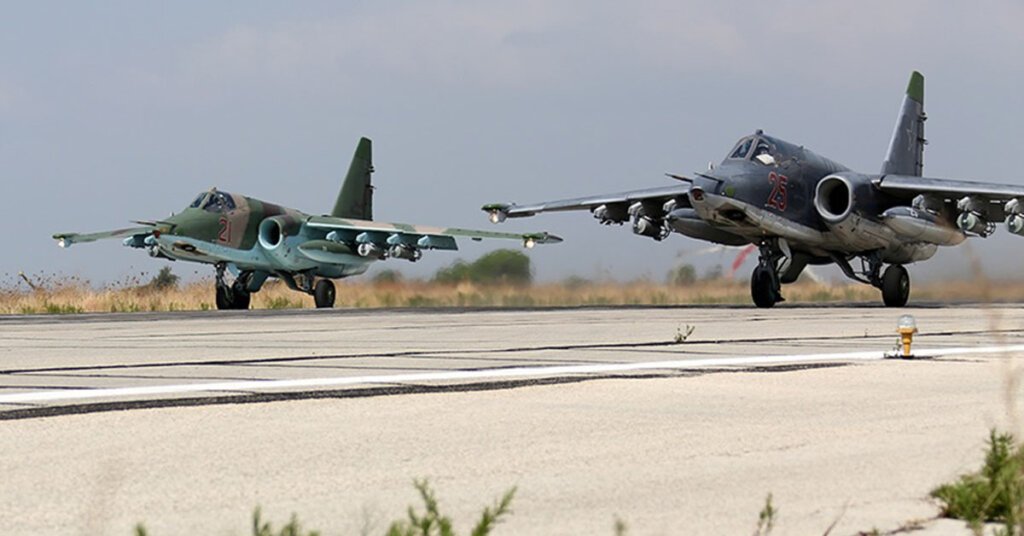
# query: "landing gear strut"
[322,291]
[235,295]
[894,282]
[765,283]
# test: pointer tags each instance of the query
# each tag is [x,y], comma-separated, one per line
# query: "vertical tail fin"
[906,148]
[355,200]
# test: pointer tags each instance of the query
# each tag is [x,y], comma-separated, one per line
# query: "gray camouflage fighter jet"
[256,240]
[800,208]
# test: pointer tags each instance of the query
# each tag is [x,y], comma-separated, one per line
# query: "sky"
[124,110]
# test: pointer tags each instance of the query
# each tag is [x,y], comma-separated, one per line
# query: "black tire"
[225,298]
[895,286]
[323,294]
[762,288]
[240,297]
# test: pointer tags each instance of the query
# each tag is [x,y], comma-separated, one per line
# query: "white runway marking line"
[486,374]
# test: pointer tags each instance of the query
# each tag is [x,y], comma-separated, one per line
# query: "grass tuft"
[433,523]
[264,528]
[766,519]
[430,523]
[682,335]
[993,494]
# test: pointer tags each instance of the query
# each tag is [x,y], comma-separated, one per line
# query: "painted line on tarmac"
[484,374]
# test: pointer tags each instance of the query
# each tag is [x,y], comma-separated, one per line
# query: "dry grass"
[58,295]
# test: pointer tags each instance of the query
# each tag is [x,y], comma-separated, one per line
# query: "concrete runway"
[187,421]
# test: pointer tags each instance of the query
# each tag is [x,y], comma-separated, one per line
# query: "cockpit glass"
[742,149]
[762,147]
[219,202]
[199,200]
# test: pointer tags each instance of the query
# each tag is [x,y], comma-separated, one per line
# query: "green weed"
[681,336]
[429,523]
[992,494]
[433,523]
[292,528]
[282,302]
[61,308]
[766,519]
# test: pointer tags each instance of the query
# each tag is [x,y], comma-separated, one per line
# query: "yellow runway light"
[906,327]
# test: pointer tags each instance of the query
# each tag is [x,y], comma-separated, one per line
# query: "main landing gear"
[238,293]
[895,285]
[777,265]
[894,281]
[323,294]
[323,291]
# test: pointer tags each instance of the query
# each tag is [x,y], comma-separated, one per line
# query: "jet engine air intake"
[834,198]
[274,230]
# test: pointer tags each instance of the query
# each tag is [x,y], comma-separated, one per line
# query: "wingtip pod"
[499,212]
[496,212]
[532,239]
[63,240]
[915,89]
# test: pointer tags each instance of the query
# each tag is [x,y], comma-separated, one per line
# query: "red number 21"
[225,230]
[777,198]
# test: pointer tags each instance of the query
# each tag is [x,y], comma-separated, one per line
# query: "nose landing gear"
[765,282]
[235,295]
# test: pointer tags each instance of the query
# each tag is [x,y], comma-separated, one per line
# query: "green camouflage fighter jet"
[255,240]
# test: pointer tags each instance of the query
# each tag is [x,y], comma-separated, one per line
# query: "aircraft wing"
[619,202]
[991,198]
[421,236]
[66,239]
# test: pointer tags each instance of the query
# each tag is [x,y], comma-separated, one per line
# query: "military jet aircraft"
[256,240]
[800,208]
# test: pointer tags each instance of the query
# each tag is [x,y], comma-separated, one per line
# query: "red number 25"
[777,198]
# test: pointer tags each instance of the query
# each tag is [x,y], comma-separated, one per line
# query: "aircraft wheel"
[762,287]
[240,297]
[323,294]
[895,286]
[224,297]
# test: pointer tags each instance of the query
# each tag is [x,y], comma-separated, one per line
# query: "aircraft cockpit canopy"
[214,201]
[742,148]
[753,147]
[199,200]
